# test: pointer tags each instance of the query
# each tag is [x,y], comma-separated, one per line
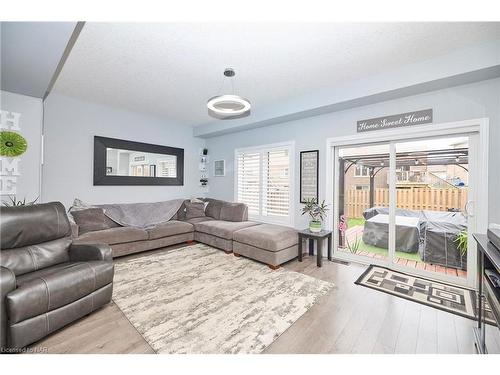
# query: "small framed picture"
[219,168]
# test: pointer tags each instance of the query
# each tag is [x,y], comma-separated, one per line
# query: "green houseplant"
[461,242]
[17,202]
[317,212]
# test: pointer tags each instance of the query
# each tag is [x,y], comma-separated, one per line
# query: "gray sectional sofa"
[223,225]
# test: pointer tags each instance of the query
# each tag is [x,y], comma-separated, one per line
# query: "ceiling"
[170,70]
[30,54]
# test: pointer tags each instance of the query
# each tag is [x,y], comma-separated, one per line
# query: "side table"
[319,237]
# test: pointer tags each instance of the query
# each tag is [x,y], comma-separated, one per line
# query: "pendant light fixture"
[230,105]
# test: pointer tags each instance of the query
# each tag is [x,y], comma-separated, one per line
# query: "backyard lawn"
[379,250]
[353,221]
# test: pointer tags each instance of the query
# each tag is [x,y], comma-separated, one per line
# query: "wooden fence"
[356,201]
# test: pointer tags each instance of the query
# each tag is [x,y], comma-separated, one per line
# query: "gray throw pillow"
[194,209]
[90,219]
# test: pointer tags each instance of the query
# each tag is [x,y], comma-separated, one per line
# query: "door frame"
[478,126]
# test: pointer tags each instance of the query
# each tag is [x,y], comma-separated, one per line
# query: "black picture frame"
[302,198]
[100,177]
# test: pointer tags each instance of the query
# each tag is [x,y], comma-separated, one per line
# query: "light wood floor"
[350,319]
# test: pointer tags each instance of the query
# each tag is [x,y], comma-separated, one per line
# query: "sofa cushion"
[213,208]
[170,228]
[113,235]
[214,241]
[89,219]
[30,225]
[267,236]
[273,258]
[64,285]
[234,211]
[222,229]
[121,249]
[196,220]
[194,209]
[27,277]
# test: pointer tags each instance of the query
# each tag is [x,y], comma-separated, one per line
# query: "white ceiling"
[170,70]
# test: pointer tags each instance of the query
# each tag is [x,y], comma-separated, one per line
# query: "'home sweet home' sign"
[396,121]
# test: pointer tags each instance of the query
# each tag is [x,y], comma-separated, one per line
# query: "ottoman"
[267,243]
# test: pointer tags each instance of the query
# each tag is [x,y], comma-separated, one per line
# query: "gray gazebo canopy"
[376,162]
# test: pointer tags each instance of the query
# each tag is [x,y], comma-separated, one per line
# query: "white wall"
[69,129]
[30,123]
[477,100]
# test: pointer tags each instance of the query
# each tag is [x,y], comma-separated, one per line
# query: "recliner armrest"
[7,285]
[86,252]
[74,230]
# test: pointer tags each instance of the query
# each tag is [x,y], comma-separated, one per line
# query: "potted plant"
[15,202]
[461,240]
[353,247]
[316,211]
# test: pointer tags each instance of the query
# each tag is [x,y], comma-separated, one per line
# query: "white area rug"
[198,299]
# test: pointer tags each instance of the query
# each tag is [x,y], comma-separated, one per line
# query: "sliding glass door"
[407,204]
[432,189]
[362,188]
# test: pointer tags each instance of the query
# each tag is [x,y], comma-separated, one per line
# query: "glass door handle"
[468,210]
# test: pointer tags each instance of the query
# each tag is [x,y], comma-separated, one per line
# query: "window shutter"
[168,168]
[276,183]
[263,182]
[249,181]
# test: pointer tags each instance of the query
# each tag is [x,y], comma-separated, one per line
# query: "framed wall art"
[219,168]
[309,175]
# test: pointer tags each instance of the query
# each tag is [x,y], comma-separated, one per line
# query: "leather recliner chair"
[46,282]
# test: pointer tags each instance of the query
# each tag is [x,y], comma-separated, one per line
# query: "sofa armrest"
[7,285]
[74,230]
[86,252]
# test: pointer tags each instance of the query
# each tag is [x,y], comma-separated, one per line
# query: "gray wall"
[28,183]
[69,128]
[30,53]
[481,99]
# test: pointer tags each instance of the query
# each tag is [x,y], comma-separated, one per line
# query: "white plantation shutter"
[263,182]
[276,186]
[168,168]
[249,181]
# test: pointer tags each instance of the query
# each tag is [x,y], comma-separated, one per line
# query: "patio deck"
[357,232]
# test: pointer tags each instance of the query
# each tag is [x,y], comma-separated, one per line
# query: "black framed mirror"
[120,162]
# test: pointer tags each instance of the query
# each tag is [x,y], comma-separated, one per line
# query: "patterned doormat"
[451,298]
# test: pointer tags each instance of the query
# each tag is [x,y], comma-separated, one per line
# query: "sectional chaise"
[223,225]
